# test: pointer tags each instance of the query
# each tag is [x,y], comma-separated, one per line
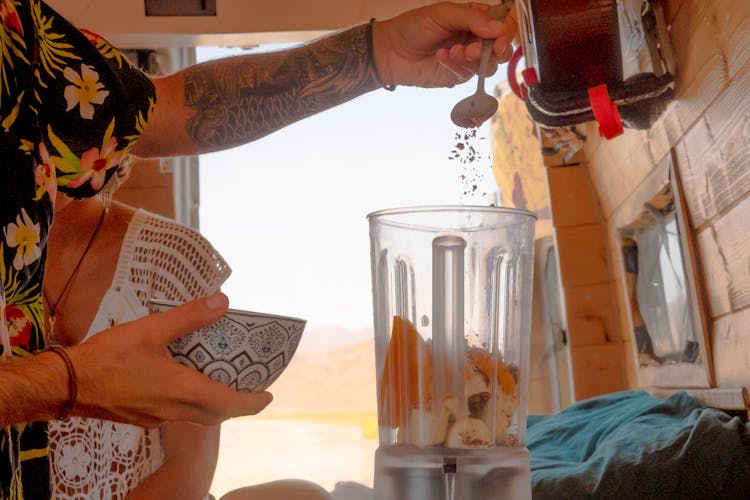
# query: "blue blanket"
[631,445]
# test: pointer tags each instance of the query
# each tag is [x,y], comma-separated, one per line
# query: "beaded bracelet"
[370,53]
[72,381]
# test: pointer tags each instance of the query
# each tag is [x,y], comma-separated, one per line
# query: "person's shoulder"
[173,245]
[161,222]
[121,212]
[171,231]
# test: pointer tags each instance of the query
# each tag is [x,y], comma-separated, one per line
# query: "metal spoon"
[476,109]
[480,107]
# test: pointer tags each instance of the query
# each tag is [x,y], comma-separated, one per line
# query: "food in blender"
[461,421]
[407,373]
[468,433]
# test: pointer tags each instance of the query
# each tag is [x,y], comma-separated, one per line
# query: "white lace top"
[99,459]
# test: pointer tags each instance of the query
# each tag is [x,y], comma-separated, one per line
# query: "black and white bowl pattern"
[245,350]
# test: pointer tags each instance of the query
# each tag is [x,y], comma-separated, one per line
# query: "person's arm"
[33,388]
[126,374]
[227,102]
[190,455]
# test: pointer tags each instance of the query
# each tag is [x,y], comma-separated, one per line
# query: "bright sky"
[288,212]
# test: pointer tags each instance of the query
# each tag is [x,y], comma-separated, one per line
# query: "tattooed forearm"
[243,98]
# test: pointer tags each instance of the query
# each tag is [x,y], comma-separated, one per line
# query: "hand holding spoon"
[479,107]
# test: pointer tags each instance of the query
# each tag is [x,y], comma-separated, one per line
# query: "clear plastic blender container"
[452,309]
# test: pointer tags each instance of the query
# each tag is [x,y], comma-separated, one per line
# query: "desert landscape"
[340,380]
[322,424]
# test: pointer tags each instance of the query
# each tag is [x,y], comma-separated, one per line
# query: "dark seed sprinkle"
[472,162]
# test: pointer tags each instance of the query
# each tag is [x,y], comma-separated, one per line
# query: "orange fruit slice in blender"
[483,361]
[407,374]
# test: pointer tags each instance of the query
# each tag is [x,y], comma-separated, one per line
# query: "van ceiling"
[237,22]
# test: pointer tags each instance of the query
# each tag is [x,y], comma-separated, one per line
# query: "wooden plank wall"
[150,187]
[150,182]
[598,349]
[708,126]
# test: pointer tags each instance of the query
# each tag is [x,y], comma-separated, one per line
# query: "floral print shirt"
[71,106]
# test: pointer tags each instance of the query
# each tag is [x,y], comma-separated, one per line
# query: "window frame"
[699,374]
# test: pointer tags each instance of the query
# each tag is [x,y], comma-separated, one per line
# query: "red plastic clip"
[605,112]
[519,89]
[530,77]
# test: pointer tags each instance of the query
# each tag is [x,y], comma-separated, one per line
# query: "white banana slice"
[468,433]
[452,407]
[502,422]
[424,428]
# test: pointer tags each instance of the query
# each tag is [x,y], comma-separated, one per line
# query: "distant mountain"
[324,338]
[339,380]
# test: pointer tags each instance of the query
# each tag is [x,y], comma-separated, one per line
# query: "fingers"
[459,73]
[206,401]
[229,405]
[461,62]
[502,50]
[465,56]
[144,385]
[439,44]
[209,408]
[173,393]
[476,19]
[504,54]
[511,20]
[165,327]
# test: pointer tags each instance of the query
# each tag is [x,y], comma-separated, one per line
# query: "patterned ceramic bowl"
[245,350]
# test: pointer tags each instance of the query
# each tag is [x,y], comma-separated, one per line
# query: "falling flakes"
[473,163]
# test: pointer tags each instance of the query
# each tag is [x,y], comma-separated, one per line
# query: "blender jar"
[452,309]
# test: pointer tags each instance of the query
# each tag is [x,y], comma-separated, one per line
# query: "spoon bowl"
[479,107]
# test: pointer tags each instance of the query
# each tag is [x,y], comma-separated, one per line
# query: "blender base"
[406,473]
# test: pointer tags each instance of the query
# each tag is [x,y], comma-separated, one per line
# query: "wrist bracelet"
[72,381]
[371,54]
